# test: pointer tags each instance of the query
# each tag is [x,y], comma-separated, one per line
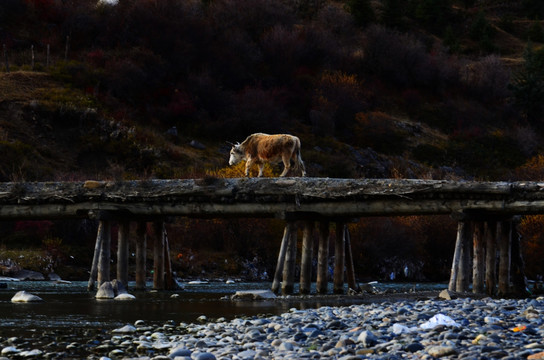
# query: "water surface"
[70,306]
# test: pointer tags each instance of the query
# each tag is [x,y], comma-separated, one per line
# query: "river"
[69,306]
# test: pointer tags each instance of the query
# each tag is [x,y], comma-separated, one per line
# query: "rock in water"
[23,296]
[105,291]
[254,295]
[125,297]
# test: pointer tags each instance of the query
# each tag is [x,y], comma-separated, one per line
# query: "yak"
[260,148]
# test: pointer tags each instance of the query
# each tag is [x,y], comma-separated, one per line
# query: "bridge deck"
[267,197]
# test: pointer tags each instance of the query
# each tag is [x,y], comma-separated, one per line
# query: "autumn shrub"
[336,19]
[495,153]
[340,95]
[434,14]
[533,169]
[531,229]
[487,78]
[399,58]
[257,110]
[385,245]
[378,131]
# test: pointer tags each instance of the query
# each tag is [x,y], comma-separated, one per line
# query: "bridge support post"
[97,247]
[519,281]
[170,284]
[122,252]
[339,259]
[281,257]
[478,265]
[490,256]
[350,270]
[455,264]
[505,246]
[464,271]
[158,256]
[287,286]
[105,253]
[306,259]
[141,247]
[323,258]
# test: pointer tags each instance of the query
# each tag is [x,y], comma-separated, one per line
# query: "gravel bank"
[468,328]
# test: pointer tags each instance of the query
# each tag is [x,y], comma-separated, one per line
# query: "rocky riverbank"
[464,328]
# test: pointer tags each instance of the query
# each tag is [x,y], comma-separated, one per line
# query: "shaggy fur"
[262,148]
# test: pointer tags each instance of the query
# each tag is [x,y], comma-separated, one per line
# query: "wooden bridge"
[485,211]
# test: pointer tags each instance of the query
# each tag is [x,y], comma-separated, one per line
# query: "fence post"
[47,57]
[32,57]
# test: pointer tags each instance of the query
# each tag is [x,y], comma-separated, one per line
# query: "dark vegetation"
[385,88]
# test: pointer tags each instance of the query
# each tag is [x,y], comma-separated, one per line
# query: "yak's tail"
[299,164]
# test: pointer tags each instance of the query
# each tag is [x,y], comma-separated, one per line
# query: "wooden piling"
[454,272]
[158,256]
[323,258]
[122,252]
[287,285]
[97,247]
[519,281]
[281,257]
[339,259]
[141,247]
[306,258]
[490,257]
[105,254]
[465,269]
[350,269]
[169,282]
[478,259]
[505,253]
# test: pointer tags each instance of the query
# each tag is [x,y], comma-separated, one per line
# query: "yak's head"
[236,154]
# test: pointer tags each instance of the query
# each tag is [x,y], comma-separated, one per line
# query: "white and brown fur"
[263,148]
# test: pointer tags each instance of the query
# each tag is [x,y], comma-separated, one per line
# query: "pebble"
[463,328]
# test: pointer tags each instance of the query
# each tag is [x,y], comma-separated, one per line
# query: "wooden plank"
[269,197]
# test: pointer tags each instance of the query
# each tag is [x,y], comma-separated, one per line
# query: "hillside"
[384,88]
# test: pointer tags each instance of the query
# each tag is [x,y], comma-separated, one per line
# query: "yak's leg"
[286,164]
[249,162]
[261,169]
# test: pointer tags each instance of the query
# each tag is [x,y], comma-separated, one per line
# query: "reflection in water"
[72,306]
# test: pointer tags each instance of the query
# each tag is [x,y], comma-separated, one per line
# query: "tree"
[361,10]
[527,85]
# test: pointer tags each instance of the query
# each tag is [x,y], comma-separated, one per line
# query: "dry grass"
[22,86]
